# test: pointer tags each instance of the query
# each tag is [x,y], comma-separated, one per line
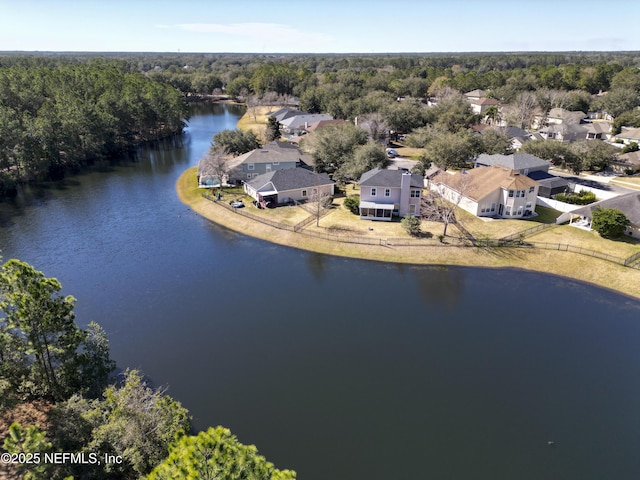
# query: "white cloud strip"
[273,34]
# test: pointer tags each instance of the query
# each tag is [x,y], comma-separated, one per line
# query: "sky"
[318,26]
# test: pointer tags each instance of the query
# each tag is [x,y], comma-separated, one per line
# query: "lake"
[338,368]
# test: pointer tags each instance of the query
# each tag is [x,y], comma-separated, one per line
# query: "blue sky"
[318,26]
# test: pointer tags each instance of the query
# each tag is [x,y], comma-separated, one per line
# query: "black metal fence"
[529,231]
[515,240]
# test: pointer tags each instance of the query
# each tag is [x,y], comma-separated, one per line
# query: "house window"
[373,192]
[510,193]
[531,189]
[412,209]
[528,205]
[276,163]
[493,207]
[250,166]
[520,210]
[387,192]
[249,176]
[415,193]
[508,211]
[304,193]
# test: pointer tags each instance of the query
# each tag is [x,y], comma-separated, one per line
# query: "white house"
[629,204]
[387,193]
[495,191]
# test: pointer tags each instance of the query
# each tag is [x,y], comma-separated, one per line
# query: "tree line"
[59,114]
[48,362]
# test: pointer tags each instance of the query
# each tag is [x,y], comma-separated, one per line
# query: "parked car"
[236,203]
[391,153]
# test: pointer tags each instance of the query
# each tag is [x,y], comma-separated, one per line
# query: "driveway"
[401,162]
[599,181]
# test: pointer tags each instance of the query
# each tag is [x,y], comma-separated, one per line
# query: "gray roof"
[510,131]
[628,204]
[388,178]
[304,119]
[291,179]
[566,116]
[548,180]
[285,113]
[273,152]
[516,161]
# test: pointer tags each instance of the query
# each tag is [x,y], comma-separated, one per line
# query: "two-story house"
[495,191]
[271,157]
[387,193]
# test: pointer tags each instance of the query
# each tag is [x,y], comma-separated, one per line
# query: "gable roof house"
[284,186]
[629,204]
[495,191]
[519,136]
[524,163]
[284,113]
[627,162]
[476,94]
[598,130]
[300,122]
[629,135]
[480,105]
[560,115]
[272,156]
[564,132]
[387,193]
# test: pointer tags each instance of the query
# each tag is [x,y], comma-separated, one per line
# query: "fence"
[528,232]
[635,258]
[244,213]
[563,247]
[511,241]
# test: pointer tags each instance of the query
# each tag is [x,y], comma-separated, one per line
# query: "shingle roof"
[291,179]
[485,101]
[388,178]
[516,161]
[302,119]
[566,115]
[548,180]
[597,127]
[630,134]
[272,152]
[628,204]
[475,93]
[630,158]
[480,182]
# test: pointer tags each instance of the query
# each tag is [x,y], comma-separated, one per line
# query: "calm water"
[334,367]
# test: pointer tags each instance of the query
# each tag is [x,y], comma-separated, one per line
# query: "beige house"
[496,191]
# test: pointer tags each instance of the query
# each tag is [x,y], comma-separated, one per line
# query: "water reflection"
[440,285]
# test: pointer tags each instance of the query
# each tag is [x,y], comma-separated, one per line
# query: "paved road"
[401,162]
[599,181]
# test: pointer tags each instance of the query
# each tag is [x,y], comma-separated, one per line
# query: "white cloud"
[271,36]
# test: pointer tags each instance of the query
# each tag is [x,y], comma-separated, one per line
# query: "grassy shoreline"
[565,264]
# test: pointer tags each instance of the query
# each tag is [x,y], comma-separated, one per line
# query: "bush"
[583,197]
[411,224]
[352,204]
[609,222]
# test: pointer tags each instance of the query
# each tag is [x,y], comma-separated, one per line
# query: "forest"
[59,112]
